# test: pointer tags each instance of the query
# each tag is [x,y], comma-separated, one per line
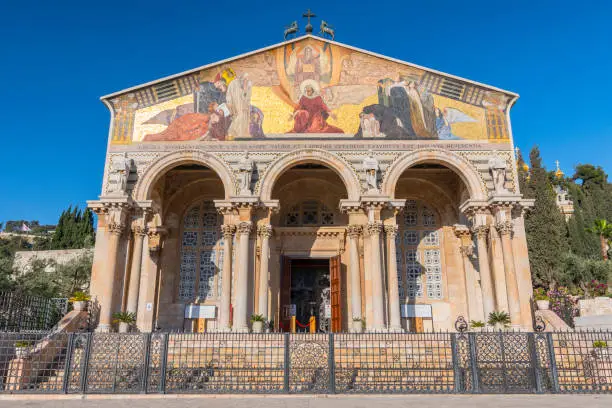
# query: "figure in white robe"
[239,104]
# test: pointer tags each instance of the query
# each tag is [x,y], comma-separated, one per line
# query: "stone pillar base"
[395,330]
[103,328]
[379,330]
[241,330]
[223,330]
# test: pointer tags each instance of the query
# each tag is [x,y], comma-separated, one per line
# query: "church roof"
[298,39]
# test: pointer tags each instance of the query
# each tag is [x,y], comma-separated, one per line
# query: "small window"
[309,213]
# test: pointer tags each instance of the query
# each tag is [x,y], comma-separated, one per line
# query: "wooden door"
[335,294]
[285,295]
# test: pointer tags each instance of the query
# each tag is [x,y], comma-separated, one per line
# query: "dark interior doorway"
[310,288]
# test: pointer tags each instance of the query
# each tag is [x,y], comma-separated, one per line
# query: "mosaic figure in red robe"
[310,116]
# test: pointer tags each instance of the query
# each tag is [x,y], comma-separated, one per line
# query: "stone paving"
[337,401]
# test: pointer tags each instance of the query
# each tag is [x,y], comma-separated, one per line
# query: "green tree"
[74,229]
[604,230]
[547,231]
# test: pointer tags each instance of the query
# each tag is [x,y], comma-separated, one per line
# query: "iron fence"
[488,362]
[19,312]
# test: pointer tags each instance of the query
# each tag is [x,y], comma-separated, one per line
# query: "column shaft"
[264,231]
[486,282]
[242,279]
[134,284]
[378,317]
[226,278]
[354,271]
[107,288]
[395,324]
[514,305]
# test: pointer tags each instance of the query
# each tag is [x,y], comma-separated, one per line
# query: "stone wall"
[23,259]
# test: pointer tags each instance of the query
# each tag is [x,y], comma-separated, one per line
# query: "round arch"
[303,156]
[453,161]
[161,166]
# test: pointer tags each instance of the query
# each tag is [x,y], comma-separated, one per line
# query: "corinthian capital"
[354,230]
[391,231]
[264,230]
[244,228]
[374,228]
[481,231]
[228,230]
[504,228]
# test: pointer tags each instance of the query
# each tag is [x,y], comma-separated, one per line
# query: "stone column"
[242,278]
[486,282]
[139,230]
[226,277]
[514,306]
[353,232]
[395,324]
[378,312]
[116,226]
[265,232]
[466,249]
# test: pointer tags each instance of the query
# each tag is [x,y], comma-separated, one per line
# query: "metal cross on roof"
[308,15]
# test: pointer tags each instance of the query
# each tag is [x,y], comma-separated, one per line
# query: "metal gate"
[504,362]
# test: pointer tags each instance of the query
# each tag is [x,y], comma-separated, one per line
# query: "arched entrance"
[308,267]
[191,263]
[431,271]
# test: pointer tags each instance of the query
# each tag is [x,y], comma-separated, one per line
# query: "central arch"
[305,156]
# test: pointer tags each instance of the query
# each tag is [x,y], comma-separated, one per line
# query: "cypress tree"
[547,231]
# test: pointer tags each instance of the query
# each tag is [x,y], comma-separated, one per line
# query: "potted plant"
[600,348]
[79,301]
[125,320]
[21,348]
[542,299]
[477,325]
[357,325]
[257,321]
[499,320]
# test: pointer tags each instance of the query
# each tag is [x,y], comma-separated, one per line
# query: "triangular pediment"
[310,87]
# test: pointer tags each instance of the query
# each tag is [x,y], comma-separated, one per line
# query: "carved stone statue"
[497,168]
[371,167]
[119,173]
[245,170]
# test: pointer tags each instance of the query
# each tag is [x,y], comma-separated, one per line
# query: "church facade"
[310,178]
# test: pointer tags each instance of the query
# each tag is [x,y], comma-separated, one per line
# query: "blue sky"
[57,58]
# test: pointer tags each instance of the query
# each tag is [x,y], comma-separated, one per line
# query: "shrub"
[124,317]
[597,289]
[540,294]
[477,323]
[563,304]
[257,318]
[79,296]
[600,344]
[502,318]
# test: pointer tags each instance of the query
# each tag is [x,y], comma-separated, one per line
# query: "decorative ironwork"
[464,362]
[20,312]
[115,363]
[390,363]
[504,363]
[539,325]
[461,325]
[309,363]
